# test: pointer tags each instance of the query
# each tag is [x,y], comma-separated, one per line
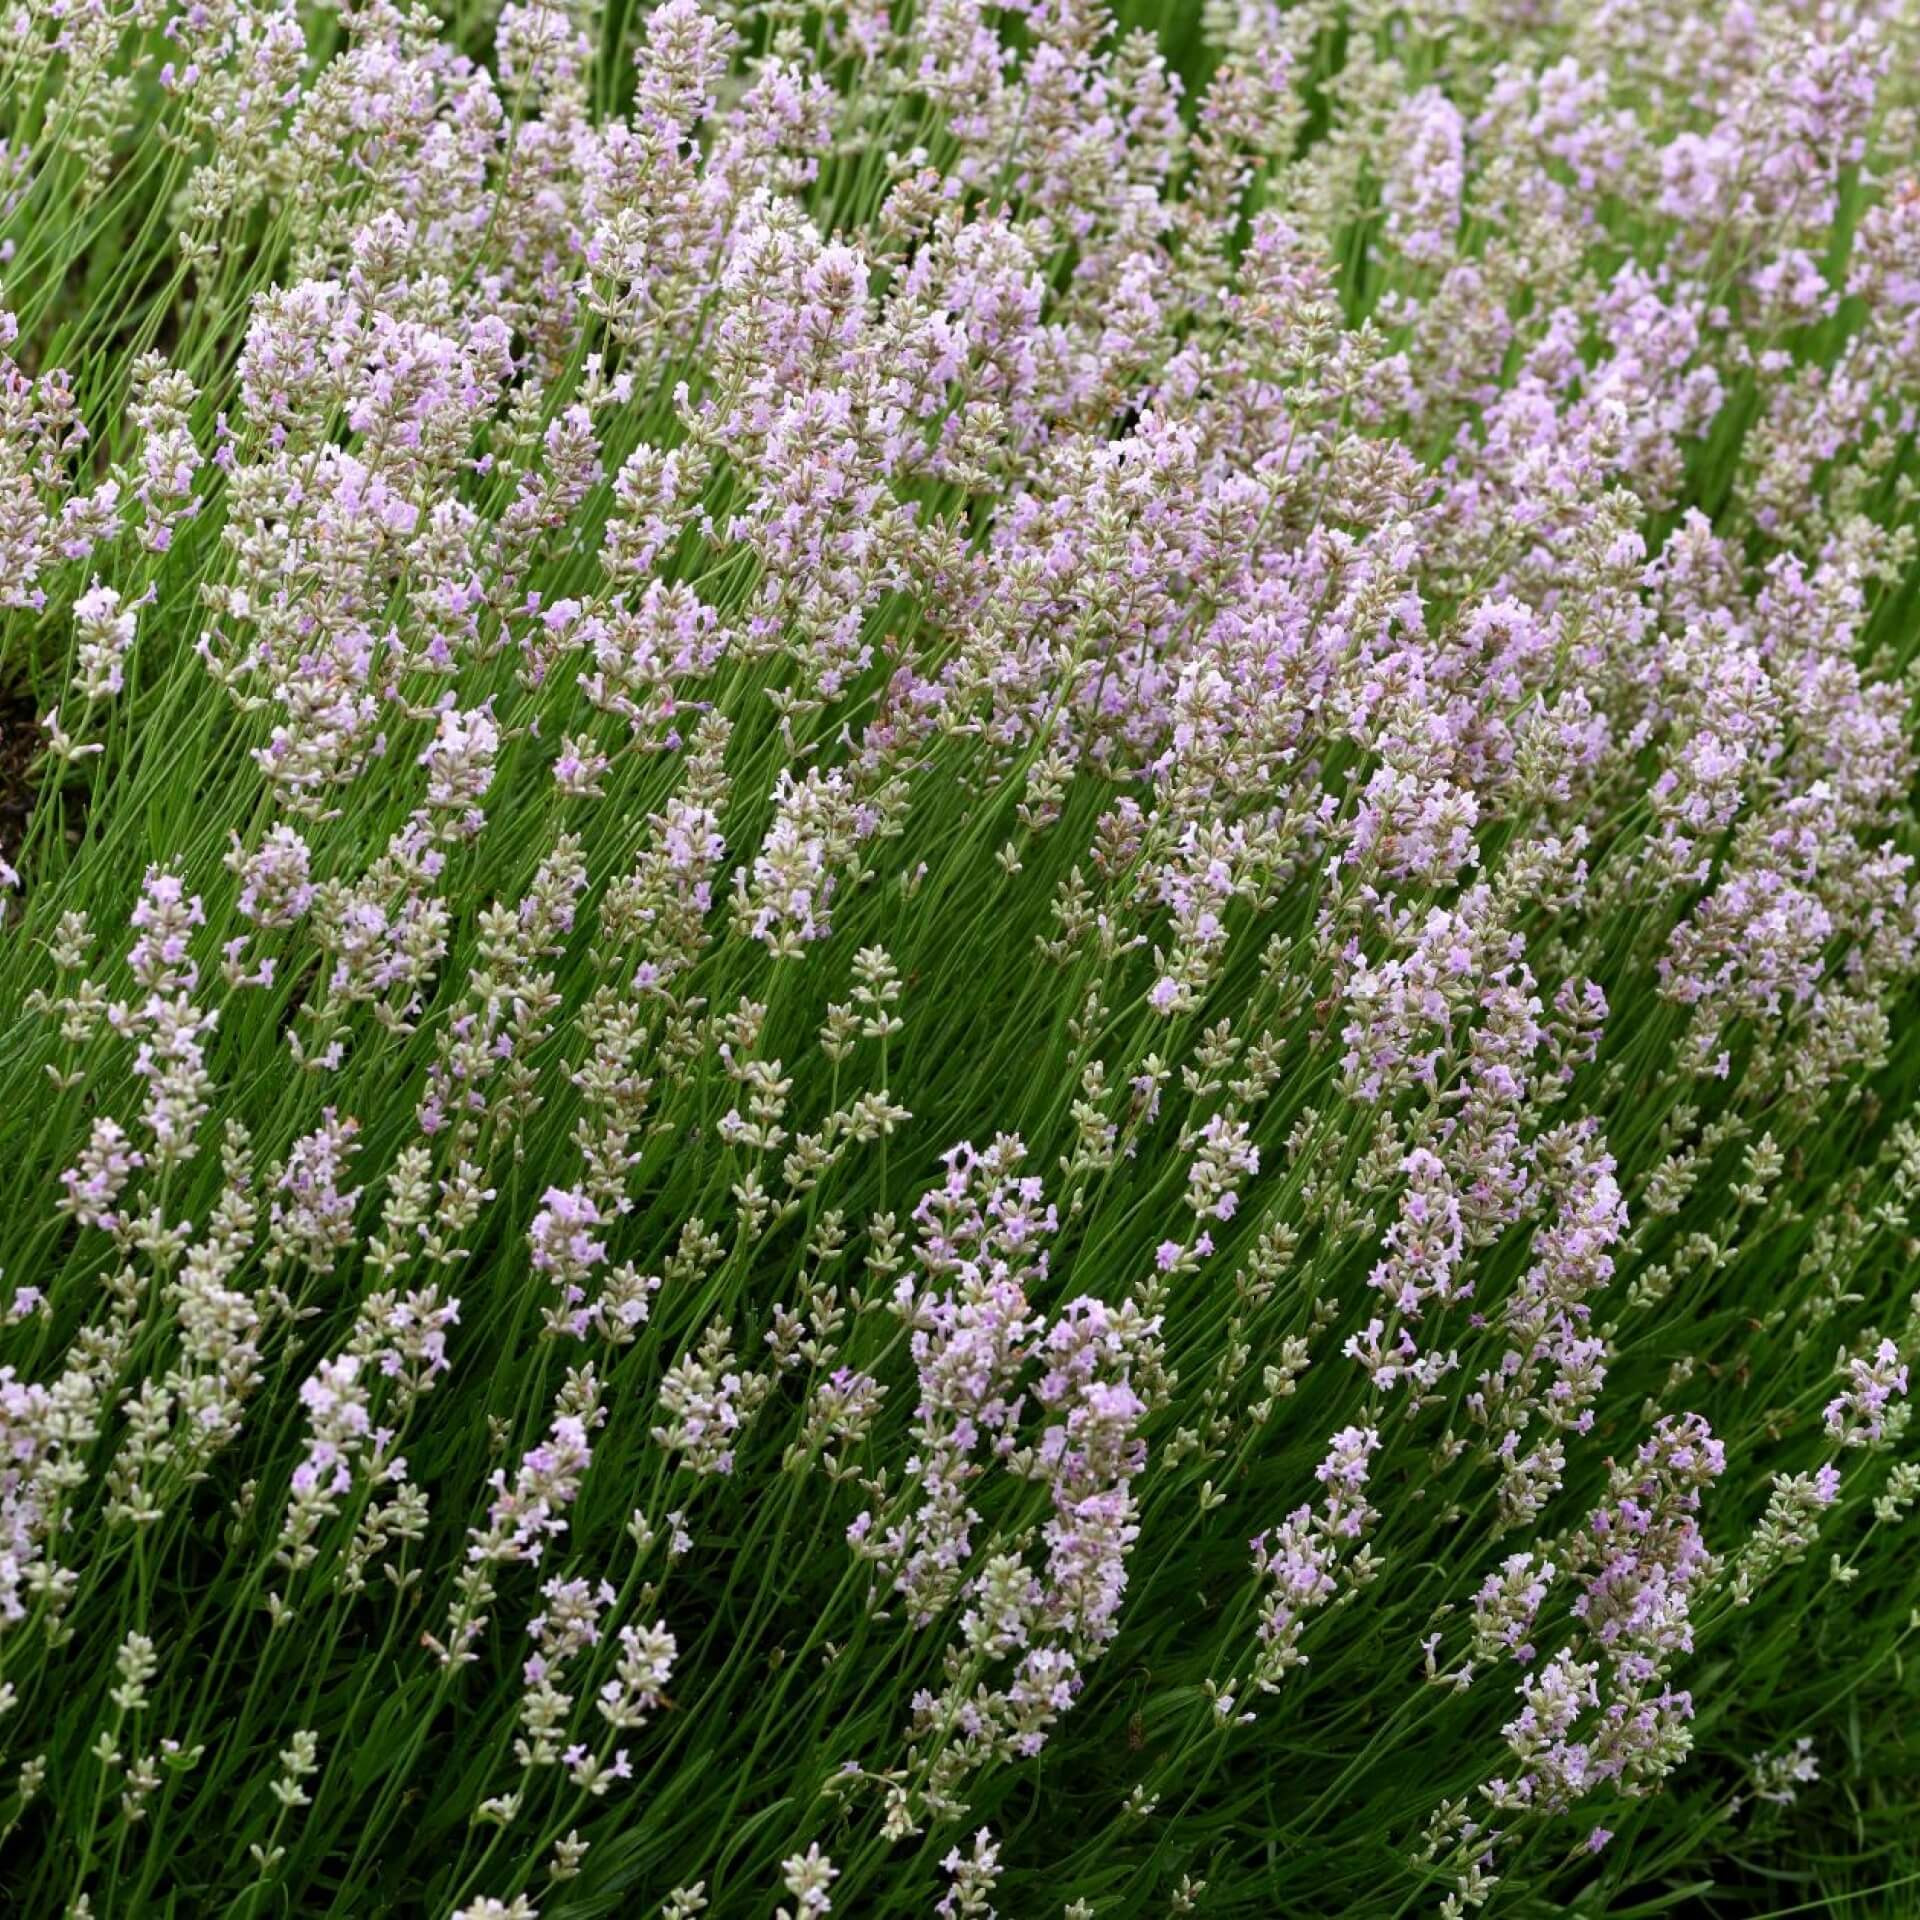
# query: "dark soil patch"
[19,749]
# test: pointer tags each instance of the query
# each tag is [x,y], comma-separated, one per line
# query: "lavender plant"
[959,958]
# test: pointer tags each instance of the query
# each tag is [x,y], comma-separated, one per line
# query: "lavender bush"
[962,958]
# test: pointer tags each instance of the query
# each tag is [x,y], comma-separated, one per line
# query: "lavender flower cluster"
[932,920]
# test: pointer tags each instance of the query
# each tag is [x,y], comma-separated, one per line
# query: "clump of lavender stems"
[957,958]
